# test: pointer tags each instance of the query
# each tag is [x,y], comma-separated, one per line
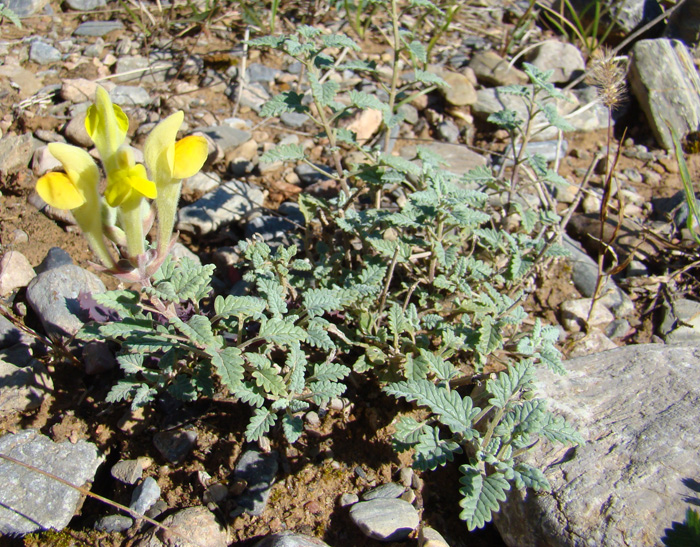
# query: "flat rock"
[127,471]
[15,152]
[86,5]
[230,202]
[290,539]
[22,386]
[460,159]
[430,537]
[144,496]
[25,8]
[30,501]
[385,519]
[258,470]
[43,53]
[666,84]
[55,258]
[53,295]
[188,527]
[15,272]
[387,491]
[575,314]
[638,408]
[493,70]
[225,137]
[114,523]
[174,445]
[97,28]
[563,59]
[461,90]
[129,95]
[25,81]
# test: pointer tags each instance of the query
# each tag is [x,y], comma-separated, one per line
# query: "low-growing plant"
[11,16]
[423,294]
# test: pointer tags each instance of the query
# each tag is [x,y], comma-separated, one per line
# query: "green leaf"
[317,335]
[190,280]
[323,392]
[274,294]
[125,303]
[431,451]
[400,164]
[540,79]
[293,427]
[287,101]
[527,476]
[429,78]
[197,329]
[454,411]
[415,368]
[246,306]
[330,371]
[10,15]
[508,383]
[296,361]
[443,370]
[122,391]
[552,114]
[357,65]
[408,430]
[480,496]
[490,336]
[270,380]
[143,395]
[339,41]
[260,423]
[283,152]
[250,394]
[418,51]
[131,363]
[229,366]
[686,534]
[557,429]
[395,320]
[184,388]
[320,301]
[281,331]
[325,92]
[507,119]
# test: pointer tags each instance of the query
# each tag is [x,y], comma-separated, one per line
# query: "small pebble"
[385,519]
[127,471]
[386,491]
[114,523]
[348,499]
[144,496]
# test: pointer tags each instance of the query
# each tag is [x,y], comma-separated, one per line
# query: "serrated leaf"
[400,164]
[317,335]
[431,451]
[330,371]
[246,306]
[555,119]
[480,496]
[357,65]
[323,392]
[131,363]
[429,78]
[122,391]
[270,380]
[183,388]
[249,393]
[125,303]
[454,411]
[395,320]
[490,336]
[415,368]
[260,423]
[281,331]
[229,366]
[418,51]
[527,476]
[507,119]
[293,427]
[443,370]
[408,430]
[190,280]
[267,41]
[287,101]
[296,361]
[508,383]
[339,41]
[197,329]
[325,92]
[320,301]
[143,395]
[283,152]
[274,295]
[557,429]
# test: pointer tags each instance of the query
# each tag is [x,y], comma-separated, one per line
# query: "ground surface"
[322,465]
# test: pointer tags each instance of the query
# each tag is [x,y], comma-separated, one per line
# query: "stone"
[114,523]
[308,175]
[86,5]
[575,314]
[593,342]
[461,90]
[202,182]
[258,470]
[127,471]
[460,159]
[684,23]
[10,334]
[549,150]
[53,295]
[562,58]
[98,358]
[664,80]
[385,519]
[43,161]
[30,501]
[97,28]
[55,258]
[290,539]
[448,131]
[493,100]
[15,152]
[387,491]
[43,53]
[216,493]
[95,50]
[272,229]
[348,499]
[191,526]
[22,386]
[15,272]
[78,90]
[493,70]
[25,81]
[637,408]
[131,68]
[257,72]
[429,537]
[366,124]
[128,95]
[176,444]
[225,137]
[293,119]
[144,496]
[25,8]
[75,132]
[254,96]
[681,321]
[625,15]
[231,202]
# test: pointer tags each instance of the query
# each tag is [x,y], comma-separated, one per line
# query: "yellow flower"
[71,189]
[129,181]
[107,125]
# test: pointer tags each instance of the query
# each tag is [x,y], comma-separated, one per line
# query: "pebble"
[30,501]
[15,152]
[231,202]
[76,133]
[225,137]
[461,90]
[53,295]
[258,469]
[384,491]
[43,161]
[348,499]
[290,539]
[43,53]
[197,524]
[55,258]
[563,59]
[86,5]
[202,182]
[25,8]
[594,341]
[406,476]
[618,328]
[127,95]
[78,90]
[429,537]
[95,50]
[574,314]
[493,70]
[98,28]
[272,229]
[448,131]
[215,493]
[460,159]
[114,523]
[24,381]
[98,358]
[175,445]
[254,96]
[295,120]
[385,519]
[144,496]
[308,175]
[15,272]
[127,471]
[257,72]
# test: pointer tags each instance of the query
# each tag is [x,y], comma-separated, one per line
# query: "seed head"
[608,74]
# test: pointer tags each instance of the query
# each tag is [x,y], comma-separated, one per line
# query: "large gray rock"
[684,23]
[385,519]
[258,470]
[665,81]
[460,159]
[565,60]
[638,408]
[25,8]
[53,295]
[230,202]
[30,501]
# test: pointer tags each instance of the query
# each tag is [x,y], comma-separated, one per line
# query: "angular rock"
[127,471]
[53,295]
[15,152]
[225,137]
[666,84]
[593,342]
[258,470]
[564,59]
[254,96]
[637,408]
[575,314]
[430,537]
[191,526]
[385,519]
[43,53]
[290,539]
[127,95]
[114,523]
[460,159]
[15,272]
[98,28]
[293,119]
[144,496]
[461,90]
[23,386]
[30,501]
[681,322]
[10,334]
[174,445]
[257,72]
[78,90]
[55,258]
[43,161]
[493,70]
[230,202]
[75,131]
[25,8]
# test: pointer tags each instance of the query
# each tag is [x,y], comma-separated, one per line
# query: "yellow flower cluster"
[168,161]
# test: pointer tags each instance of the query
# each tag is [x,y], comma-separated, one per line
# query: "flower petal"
[58,190]
[138,178]
[158,148]
[106,124]
[190,154]
[78,164]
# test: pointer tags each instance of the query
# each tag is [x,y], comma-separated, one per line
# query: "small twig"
[242,76]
